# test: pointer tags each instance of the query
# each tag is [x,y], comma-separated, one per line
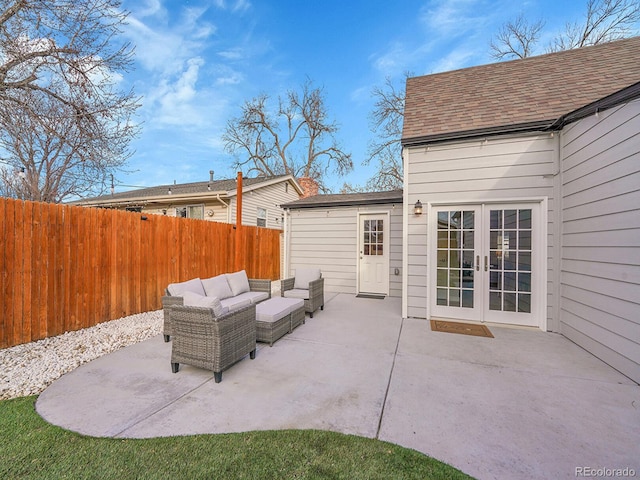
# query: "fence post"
[239,263]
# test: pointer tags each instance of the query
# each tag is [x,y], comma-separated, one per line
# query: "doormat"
[370,295]
[463,328]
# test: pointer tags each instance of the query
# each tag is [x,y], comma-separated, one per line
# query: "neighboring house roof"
[185,191]
[346,199]
[535,93]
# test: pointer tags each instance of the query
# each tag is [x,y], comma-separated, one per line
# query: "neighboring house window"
[133,209]
[195,211]
[262,217]
[191,211]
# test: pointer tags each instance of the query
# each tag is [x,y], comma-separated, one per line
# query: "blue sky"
[198,61]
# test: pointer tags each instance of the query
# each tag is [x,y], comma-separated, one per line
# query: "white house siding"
[509,168]
[600,279]
[327,238]
[269,197]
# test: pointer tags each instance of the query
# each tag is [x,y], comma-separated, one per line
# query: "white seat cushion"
[178,289]
[254,297]
[294,303]
[304,276]
[272,310]
[217,286]
[234,303]
[191,299]
[238,282]
[297,293]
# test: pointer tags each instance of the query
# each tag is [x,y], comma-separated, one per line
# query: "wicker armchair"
[256,285]
[215,343]
[313,297]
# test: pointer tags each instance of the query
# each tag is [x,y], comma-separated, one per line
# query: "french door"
[485,263]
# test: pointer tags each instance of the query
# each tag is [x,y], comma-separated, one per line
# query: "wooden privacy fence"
[65,268]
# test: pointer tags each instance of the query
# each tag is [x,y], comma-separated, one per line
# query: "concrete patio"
[525,404]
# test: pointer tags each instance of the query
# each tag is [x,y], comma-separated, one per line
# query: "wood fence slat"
[67,307]
[30,321]
[57,231]
[22,328]
[4,340]
[10,244]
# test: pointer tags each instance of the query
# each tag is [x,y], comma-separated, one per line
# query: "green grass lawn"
[32,448]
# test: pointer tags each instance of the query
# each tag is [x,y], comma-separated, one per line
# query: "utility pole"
[239,260]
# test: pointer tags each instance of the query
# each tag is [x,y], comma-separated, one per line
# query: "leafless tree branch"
[298,139]
[63,124]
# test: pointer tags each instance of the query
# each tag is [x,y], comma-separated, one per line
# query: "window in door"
[373,240]
[455,251]
[510,250]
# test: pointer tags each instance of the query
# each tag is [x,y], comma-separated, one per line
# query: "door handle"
[477,263]
[486,263]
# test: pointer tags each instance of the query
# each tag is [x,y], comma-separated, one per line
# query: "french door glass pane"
[455,253]
[510,234]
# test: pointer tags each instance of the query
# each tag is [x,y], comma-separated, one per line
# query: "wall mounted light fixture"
[417,208]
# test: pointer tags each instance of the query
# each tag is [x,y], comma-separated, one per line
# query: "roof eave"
[538,126]
[173,198]
[266,183]
[341,203]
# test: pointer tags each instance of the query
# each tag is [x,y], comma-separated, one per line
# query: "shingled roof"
[346,199]
[223,187]
[534,93]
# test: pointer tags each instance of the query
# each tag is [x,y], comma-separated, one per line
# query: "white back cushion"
[304,276]
[238,282]
[178,289]
[194,300]
[217,287]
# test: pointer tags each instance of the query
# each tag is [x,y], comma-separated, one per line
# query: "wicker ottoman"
[274,318]
[297,312]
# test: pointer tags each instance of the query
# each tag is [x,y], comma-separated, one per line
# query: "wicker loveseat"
[234,290]
[308,285]
[205,340]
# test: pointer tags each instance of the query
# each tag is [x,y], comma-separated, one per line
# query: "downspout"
[287,242]
[221,201]
[405,230]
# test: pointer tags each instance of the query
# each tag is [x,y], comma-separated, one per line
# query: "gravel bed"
[29,368]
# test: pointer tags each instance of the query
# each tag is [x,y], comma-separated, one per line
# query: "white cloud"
[172,101]
[456,18]
[458,58]
[234,6]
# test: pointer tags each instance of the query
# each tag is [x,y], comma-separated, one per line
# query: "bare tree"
[516,39]
[297,139]
[385,150]
[604,21]
[386,121]
[64,125]
[53,158]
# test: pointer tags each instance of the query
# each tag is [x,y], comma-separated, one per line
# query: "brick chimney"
[309,186]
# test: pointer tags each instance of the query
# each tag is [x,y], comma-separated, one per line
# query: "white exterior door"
[487,262]
[373,254]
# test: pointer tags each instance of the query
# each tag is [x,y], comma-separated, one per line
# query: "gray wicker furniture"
[276,317]
[311,291]
[215,343]
[259,290]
